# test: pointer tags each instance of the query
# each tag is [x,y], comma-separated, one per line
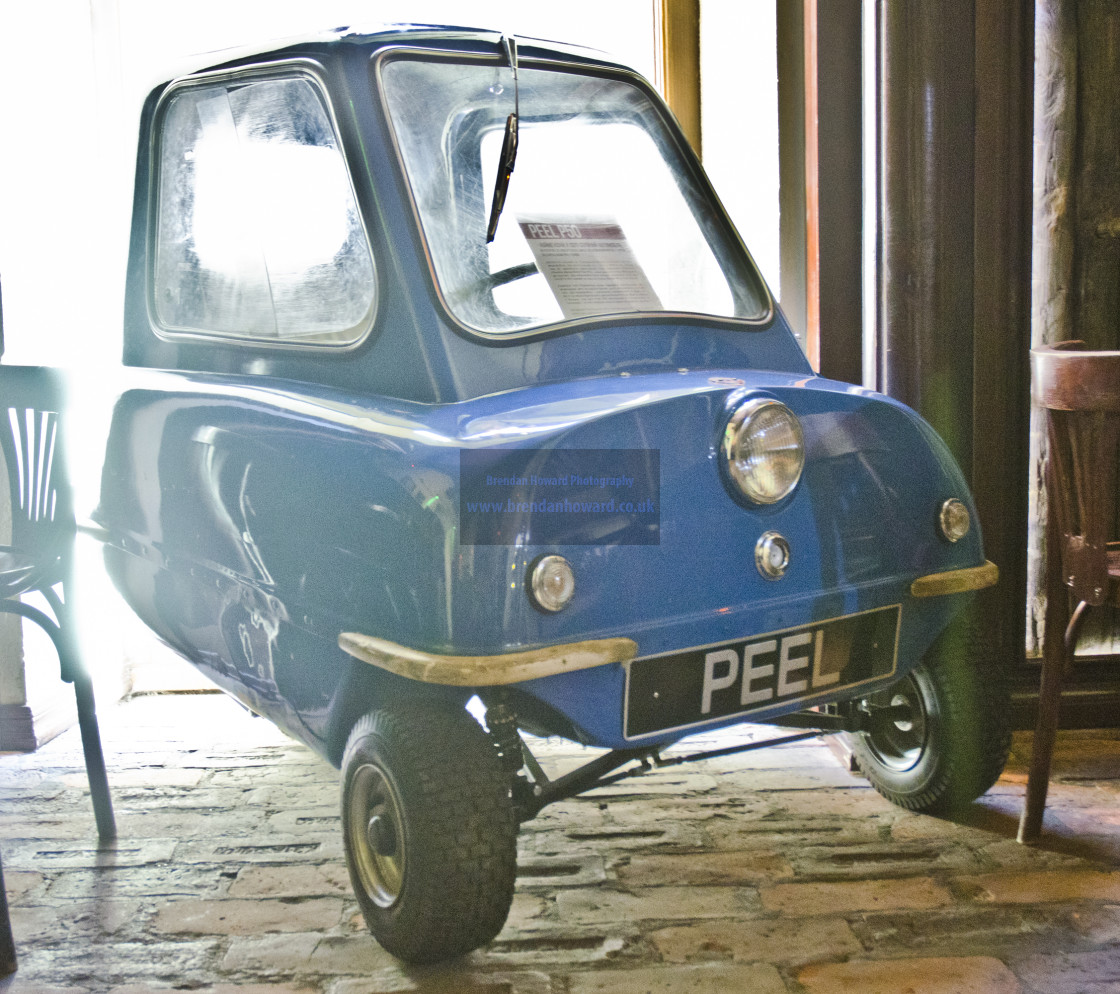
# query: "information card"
[589,265]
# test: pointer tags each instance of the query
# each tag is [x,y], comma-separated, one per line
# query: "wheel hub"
[898,729]
[903,724]
[377,846]
[381,834]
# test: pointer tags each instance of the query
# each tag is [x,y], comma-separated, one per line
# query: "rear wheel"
[429,830]
[939,738]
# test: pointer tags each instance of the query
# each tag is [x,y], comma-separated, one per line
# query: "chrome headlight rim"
[742,484]
[772,555]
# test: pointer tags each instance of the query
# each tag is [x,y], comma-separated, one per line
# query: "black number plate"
[810,664]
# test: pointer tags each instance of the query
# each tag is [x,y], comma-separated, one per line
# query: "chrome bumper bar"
[486,671]
[955,581]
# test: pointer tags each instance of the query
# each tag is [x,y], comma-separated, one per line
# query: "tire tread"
[975,701]
[462,849]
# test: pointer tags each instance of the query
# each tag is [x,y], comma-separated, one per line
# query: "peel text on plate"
[770,669]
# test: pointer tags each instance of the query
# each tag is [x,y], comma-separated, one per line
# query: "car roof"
[377,34]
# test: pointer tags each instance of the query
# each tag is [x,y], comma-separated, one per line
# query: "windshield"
[601,216]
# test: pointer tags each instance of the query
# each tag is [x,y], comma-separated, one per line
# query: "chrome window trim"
[393,53]
[315,73]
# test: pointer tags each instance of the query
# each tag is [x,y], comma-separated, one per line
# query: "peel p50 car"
[451,381]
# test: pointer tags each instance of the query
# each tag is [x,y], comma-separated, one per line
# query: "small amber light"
[954,519]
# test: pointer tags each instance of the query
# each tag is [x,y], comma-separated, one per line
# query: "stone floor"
[772,872]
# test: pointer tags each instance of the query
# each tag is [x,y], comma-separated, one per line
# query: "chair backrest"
[1080,390]
[31,403]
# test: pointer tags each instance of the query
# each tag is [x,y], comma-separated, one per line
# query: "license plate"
[763,673]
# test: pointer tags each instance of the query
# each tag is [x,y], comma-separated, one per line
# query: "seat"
[1079,391]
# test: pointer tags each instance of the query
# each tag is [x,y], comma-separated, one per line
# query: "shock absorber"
[502,722]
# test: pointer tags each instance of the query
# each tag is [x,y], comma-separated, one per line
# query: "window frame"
[299,68]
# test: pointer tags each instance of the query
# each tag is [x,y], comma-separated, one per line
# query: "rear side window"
[257,231]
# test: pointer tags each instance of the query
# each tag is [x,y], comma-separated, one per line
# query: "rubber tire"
[962,742]
[452,804]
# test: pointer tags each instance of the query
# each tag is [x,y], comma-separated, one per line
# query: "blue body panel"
[258,501]
[254,521]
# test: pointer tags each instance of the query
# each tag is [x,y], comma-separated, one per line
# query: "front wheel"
[429,831]
[940,737]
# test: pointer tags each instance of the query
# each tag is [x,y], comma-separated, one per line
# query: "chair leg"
[7,941]
[1057,658]
[74,671]
[1042,749]
[95,758]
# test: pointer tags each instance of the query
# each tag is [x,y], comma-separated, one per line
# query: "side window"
[257,232]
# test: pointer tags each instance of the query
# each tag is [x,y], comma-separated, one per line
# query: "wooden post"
[1096,202]
[926,213]
[1076,273]
[955,152]
[679,63]
[820,163]
[1001,313]
[840,194]
[792,159]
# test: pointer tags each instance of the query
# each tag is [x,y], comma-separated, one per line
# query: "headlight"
[764,449]
[551,583]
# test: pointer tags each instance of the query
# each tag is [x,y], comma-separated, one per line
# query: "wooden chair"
[40,559]
[41,556]
[1080,393]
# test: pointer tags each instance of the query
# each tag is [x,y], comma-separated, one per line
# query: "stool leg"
[95,758]
[7,941]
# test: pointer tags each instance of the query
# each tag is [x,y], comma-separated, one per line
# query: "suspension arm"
[597,772]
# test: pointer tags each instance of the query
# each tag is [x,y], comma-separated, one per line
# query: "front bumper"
[507,668]
[487,671]
[956,581]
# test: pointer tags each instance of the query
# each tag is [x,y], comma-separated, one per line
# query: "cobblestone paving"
[773,872]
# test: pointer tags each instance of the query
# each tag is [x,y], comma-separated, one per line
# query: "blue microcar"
[450,380]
